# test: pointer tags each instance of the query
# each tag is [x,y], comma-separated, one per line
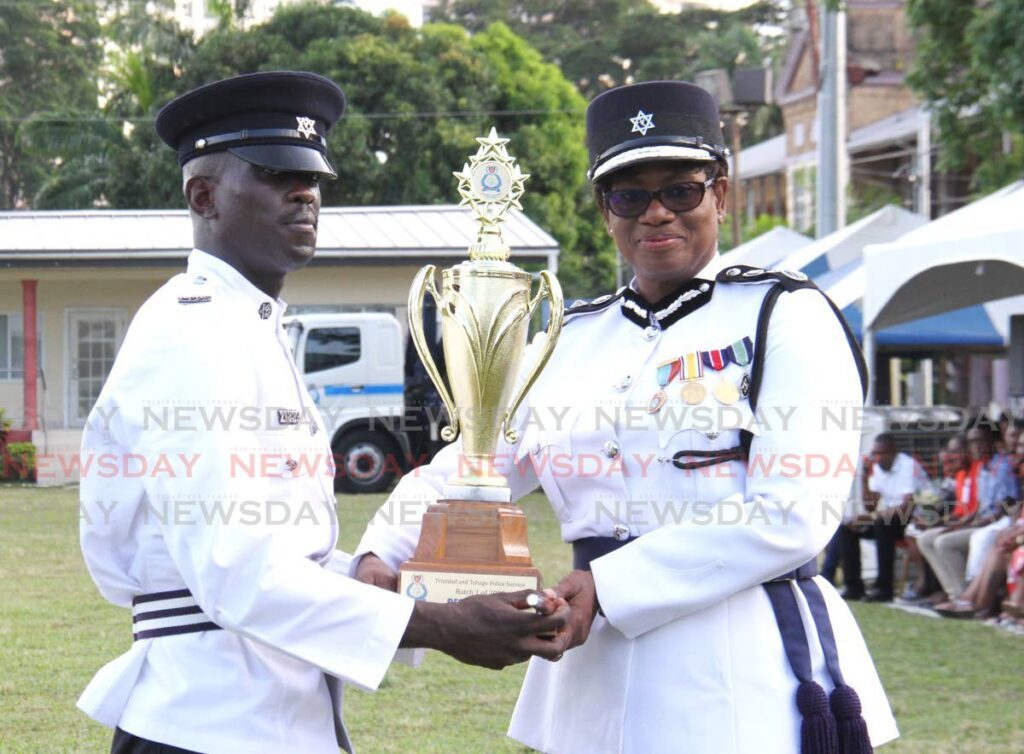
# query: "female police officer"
[695,435]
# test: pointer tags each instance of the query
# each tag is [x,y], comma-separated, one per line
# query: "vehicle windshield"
[293,330]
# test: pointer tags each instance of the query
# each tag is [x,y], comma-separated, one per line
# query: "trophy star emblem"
[490,184]
[642,123]
[306,127]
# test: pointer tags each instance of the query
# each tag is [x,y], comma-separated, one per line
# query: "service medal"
[657,401]
[665,373]
[725,392]
[741,352]
[693,392]
[717,359]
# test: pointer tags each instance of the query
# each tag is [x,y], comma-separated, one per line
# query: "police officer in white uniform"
[208,506]
[695,434]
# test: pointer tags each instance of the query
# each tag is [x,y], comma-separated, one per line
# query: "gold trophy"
[474,541]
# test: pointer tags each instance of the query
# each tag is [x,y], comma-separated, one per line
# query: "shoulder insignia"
[582,306]
[740,273]
[194,299]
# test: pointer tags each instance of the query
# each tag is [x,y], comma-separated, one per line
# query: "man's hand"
[579,591]
[491,630]
[372,570]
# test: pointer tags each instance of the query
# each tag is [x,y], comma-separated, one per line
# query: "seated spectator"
[1011,432]
[892,481]
[1012,617]
[986,492]
[934,512]
[982,596]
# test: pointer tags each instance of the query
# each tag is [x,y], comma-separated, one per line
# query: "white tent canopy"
[847,244]
[768,248]
[970,256]
[849,289]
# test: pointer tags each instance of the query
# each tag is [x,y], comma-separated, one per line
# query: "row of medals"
[695,391]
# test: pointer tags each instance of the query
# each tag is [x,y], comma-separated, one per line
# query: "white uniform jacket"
[687,656]
[206,467]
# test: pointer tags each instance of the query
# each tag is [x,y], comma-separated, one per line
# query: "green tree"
[550,141]
[49,54]
[107,158]
[418,98]
[603,43]
[969,67]
[748,231]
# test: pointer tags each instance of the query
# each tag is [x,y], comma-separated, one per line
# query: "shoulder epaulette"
[741,273]
[582,306]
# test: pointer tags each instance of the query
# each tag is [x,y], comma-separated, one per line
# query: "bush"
[19,462]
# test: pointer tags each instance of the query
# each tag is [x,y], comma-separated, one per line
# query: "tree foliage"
[969,67]
[49,53]
[599,44]
[417,99]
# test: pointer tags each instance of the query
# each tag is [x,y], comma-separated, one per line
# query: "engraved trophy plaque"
[474,541]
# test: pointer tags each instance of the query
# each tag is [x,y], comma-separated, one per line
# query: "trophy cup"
[474,541]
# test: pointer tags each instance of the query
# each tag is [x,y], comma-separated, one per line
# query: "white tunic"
[687,657]
[193,479]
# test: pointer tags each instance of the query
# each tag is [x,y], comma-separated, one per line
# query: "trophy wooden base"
[469,548]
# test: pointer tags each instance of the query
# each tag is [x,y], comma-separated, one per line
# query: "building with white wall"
[80,277]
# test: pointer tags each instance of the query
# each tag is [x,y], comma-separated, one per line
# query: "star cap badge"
[642,123]
[307,126]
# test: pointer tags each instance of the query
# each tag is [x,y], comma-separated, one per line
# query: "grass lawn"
[956,687]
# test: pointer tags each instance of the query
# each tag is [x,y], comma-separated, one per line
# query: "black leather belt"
[589,548]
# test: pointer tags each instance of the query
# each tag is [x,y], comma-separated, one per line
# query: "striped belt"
[168,614]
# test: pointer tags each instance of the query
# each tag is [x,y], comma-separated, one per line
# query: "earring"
[721,218]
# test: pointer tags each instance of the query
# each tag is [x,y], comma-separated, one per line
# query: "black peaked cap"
[276,119]
[654,120]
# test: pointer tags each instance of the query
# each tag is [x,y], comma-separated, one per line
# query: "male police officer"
[244,615]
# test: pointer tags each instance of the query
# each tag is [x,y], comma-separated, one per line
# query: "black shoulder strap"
[761,348]
[761,341]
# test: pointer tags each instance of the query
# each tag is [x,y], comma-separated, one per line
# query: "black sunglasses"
[679,197]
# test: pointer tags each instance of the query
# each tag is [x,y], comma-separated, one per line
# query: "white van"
[353,367]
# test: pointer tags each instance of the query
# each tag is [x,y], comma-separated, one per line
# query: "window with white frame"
[12,346]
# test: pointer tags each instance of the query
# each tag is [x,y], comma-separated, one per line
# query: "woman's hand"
[579,591]
[374,571]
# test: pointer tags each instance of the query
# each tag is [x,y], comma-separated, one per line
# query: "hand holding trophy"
[475,540]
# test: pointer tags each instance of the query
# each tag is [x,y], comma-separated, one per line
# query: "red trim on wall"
[31,366]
